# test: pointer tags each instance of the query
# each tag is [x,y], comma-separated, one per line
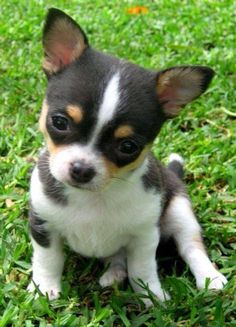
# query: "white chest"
[98,224]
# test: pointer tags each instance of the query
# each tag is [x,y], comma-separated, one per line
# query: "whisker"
[121,179]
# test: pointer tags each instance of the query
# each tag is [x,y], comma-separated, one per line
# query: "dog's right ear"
[63,41]
[177,86]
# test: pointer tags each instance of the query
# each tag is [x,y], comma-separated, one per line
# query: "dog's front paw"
[217,281]
[160,296]
[163,296]
[51,288]
[114,274]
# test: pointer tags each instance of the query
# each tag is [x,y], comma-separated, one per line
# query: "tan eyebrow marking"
[123,131]
[75,112]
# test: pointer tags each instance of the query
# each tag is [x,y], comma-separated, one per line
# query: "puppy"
[96,185]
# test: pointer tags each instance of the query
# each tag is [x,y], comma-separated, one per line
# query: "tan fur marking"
[197,238]
[52,148]
[43,117]
[49,67]
[114,171]
[75,113]
[123,131]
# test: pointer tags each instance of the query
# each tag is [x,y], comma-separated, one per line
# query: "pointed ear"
[63,41]
[178,86]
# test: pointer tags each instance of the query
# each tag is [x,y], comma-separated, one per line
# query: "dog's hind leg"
[180,223]
[116,271]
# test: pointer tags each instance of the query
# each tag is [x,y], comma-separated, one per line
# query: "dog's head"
[101,114]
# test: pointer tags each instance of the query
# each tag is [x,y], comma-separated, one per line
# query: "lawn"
[170,33]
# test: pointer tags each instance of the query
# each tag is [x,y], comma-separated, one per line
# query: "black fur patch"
[177,168]
[164,181]
[52,188]
[173,187]
[153,178]
[37,229]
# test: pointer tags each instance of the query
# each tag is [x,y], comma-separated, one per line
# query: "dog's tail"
[176,164]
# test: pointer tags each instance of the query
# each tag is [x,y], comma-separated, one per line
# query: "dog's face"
[100,114]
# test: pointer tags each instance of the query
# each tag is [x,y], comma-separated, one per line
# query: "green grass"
[173,32]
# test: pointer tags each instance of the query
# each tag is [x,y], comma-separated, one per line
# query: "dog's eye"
[60,123]
[128,147]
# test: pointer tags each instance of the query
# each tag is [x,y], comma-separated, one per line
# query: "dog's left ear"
[63,41]
[178,86]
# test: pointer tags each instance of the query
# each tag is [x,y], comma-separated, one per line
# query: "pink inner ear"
[62,55]
[169,98]
[168,94]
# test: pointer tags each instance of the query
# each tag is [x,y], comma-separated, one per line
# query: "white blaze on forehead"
[110,100]
[109,104]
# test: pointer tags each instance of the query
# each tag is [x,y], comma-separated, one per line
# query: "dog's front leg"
[142,265]
[47,267]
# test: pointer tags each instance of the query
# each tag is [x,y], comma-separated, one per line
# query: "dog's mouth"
[91,186]
[84,186]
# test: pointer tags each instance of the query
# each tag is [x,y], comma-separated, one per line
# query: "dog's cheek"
[110,168]
[52,148]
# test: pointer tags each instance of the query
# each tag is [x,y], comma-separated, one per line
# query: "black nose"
[82,172]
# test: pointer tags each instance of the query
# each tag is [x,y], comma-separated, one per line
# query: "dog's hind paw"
[114,274]
[217,281]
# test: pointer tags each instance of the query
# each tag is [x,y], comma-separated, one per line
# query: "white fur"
[114,274]
[99,224]
[47,268]
[108,106]
[176,157]
[123,215]
[116,271]
[182,225]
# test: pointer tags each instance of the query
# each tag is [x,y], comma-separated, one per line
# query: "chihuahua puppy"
[96,185]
